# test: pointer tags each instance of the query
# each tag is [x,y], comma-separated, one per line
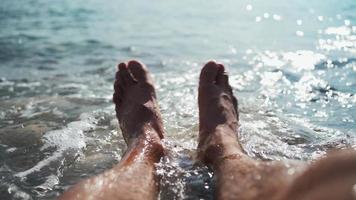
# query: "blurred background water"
[292,65]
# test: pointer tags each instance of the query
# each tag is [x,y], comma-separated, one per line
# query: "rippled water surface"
[292,66]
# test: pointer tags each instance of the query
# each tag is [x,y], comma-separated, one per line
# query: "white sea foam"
[70,137]
[17,193]
[258,139]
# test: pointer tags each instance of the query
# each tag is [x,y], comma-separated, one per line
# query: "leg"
[330,178]
[238,176]
[141,125]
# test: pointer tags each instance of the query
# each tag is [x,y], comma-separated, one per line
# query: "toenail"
[213,62]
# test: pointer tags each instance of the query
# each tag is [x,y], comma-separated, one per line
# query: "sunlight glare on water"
[292,66]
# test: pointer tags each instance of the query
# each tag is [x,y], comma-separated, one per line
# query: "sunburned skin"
[237,175]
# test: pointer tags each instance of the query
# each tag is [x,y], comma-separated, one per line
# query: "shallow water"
[292,66]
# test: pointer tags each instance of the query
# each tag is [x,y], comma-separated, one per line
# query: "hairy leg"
[332,177]
[140,121]
[238,176]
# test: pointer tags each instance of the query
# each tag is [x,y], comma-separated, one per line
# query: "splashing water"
[292,65]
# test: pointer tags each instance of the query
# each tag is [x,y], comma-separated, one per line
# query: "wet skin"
[241,177]
[237,175]
[140,121]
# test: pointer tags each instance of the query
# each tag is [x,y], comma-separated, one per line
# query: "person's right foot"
[136,105]
[218,115]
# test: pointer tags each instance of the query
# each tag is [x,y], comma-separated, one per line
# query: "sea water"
[292,65]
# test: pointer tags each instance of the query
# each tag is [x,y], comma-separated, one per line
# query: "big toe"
[119,84]
[139,71]
[210,72]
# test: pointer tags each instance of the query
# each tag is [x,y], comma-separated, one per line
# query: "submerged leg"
[140,121]
[237,175]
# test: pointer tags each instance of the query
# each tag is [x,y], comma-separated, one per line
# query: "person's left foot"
[136,105]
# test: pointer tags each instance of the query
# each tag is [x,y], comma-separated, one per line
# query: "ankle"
[217,144]
[147,145]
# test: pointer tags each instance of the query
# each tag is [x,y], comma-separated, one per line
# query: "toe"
[222,78]
[236,106]
[124,75]
[118,86]
[139,71]
[122,66]
[209,72]
[118,92]
[116,98]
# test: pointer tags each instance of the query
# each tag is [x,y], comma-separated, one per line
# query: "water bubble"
[291,171]
[258,19]
[277,17]
[320,18]
[266,15]
[233,50]
[347,22]
[210,175]
[249,7]
[9,150]
[299,22]
[299,33]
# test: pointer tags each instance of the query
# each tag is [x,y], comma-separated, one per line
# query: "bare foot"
[136,105]
[134,176]
[218,115]
[237,175]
